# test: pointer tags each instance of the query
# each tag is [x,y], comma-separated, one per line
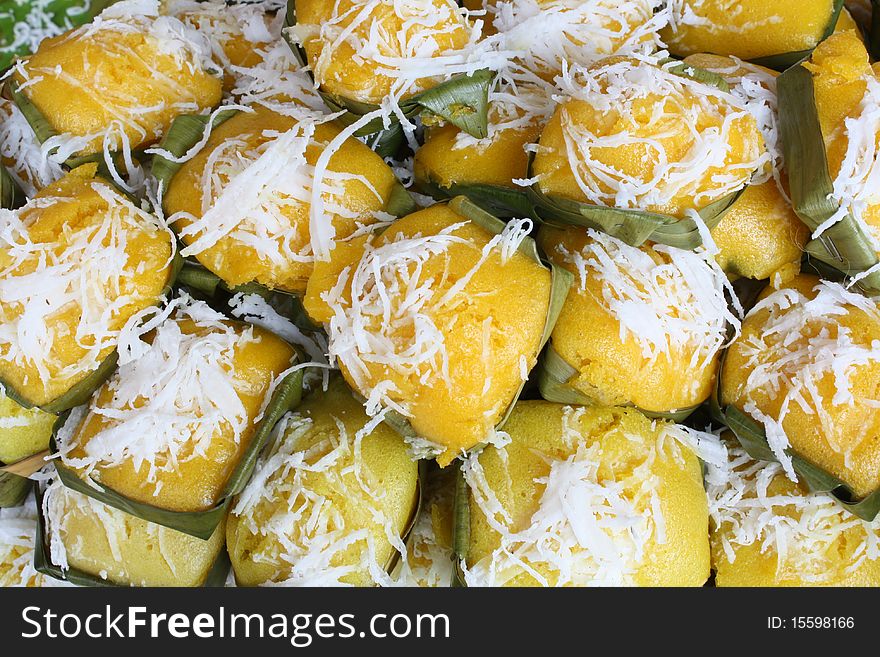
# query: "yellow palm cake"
[760,236]
[23,431]
[587,497]
[171,425]
[118,82]
[330,502]
[436,319]
[768,531]
[243,205]
[365,50]
[237,33]
[451,156]
[109,544]
[634,134]
[77,263]
[641,326]
[749,29]
[807,368]
[847,93]
[554,34]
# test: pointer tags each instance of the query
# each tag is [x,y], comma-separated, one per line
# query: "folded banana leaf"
[561,280]
[185,132]
[461,529]
[752,437]
[497,200]
[635,227]
[555,374]
[11,196]
[844,246]
[200,524]
[42,564]
[13,489]
[782,61]
[462,100]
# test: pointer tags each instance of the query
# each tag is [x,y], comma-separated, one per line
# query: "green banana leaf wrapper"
[561,280]
[186,132]
[844,246]
[752,437]
[462,100]
[13,489]
[554,374]
[200,524]
[11,196]
[42,563]
[782,61]
[500,201]
[62,13]
[461,529]
[635,227]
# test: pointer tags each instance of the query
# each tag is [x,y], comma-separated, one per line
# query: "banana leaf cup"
[664,364]
[629,453]
[634,226]
[82,389]
[463,100]
[120,90]
[215,577]
[320,460]
[201,524]
[844,246]
[186,133]
[752,436]
[560,284]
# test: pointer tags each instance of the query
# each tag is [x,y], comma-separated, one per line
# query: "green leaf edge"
[216,577]
[844,246]
[554,373]
[634,227]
